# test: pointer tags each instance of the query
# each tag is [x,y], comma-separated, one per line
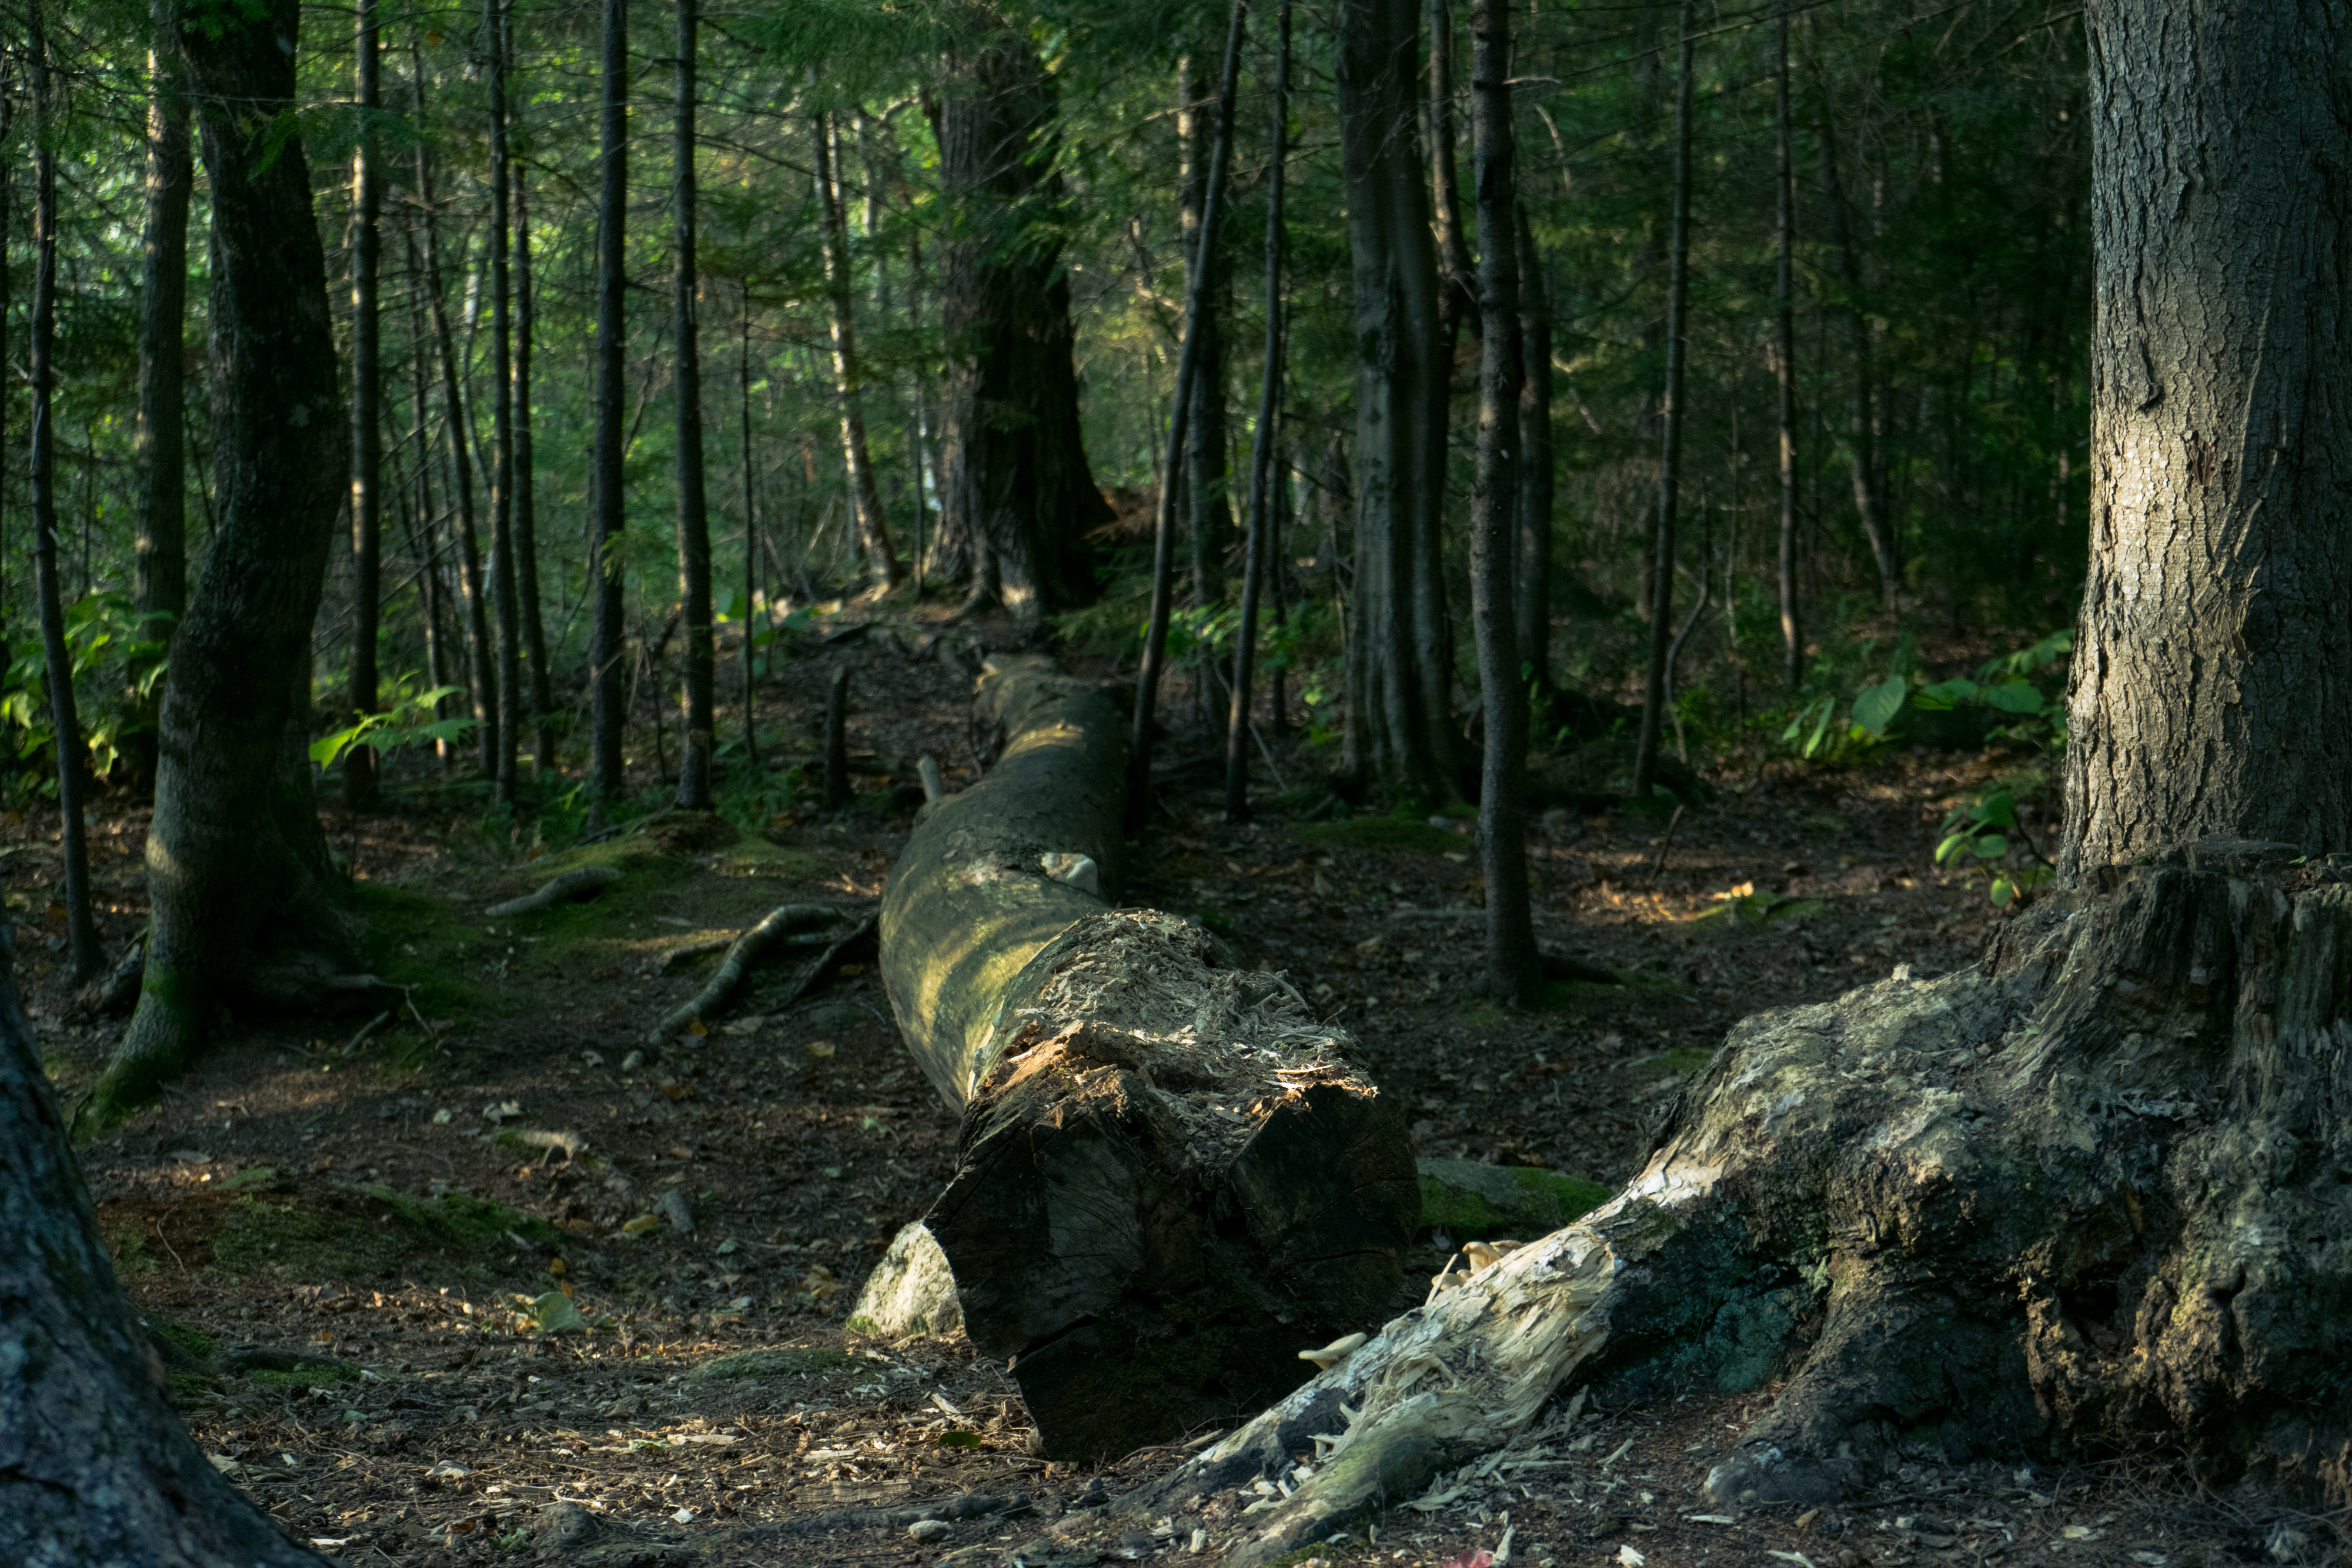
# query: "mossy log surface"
[2088,1195]
[1170,1180]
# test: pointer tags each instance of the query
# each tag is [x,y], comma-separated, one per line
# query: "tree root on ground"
[2085,1195]
[739,957]
[585,882]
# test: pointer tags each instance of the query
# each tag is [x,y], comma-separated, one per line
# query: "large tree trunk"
[2085,1195]
[2213,680]
[246,900]
[1018,495]
[95,1466]
[1398,739]
[1169,1181]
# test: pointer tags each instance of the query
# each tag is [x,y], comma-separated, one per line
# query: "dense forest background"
[1940,299]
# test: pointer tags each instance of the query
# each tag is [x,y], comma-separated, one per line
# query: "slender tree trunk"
[247,901]
[73,760]
[160,444]
[1397,737]
[445,664]
[698,736]
[507,768]
[481,653]
[1784,373]
[360,765]
[873,526]
[1187,368]
[1458,290]
[1260,551]
[1531,572]
[1862,439]
[1018,496]
[606,643]
[752,543]
[1513,971]
[2212,687]
[1208,512]
[544,761]
[1662,596]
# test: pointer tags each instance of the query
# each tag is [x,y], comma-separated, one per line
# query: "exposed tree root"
[585,882]
[738,960]
[2088,1194]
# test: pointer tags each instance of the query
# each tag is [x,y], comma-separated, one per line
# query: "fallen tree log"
[1170,1177]
[2084,1195]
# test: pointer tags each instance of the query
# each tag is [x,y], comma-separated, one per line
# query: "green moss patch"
[1381,833]
[425,942]
[186,1341]
[1469,1199]
[367,1230]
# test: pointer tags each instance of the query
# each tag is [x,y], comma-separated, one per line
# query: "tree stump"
[1169,1179]
[2086,1194]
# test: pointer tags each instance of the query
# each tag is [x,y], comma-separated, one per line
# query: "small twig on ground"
[1666,842]
[167,1245]
[368,1028]
[817,971]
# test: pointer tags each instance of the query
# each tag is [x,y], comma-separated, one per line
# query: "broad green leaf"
[1876,708]
[2015,696]
[1992,846]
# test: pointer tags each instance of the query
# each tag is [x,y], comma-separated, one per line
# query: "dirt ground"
[417,1335]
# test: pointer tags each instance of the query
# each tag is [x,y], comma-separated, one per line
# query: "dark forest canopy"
[1940,299]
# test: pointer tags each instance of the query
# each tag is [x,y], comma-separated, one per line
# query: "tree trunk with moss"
[246,898]
[1169,1180]
[2086,1195]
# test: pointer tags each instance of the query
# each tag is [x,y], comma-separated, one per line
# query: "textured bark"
[609,632]
[699,733]
[1262,553]
[1169,1180]
[2213,681]
[367,407]
[1531,572]
[159,442]
[73,759]
[244,897]
[1018,496]
[96,1471]
[1660,675]
[1398,668]
[872,524]
[1513,971]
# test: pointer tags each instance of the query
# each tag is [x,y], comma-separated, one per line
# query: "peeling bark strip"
[1170,1180]
[2213,681]
[95,1466]
[2086,1195]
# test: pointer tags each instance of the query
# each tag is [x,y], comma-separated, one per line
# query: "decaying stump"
[2090,1193]
[1170,1180]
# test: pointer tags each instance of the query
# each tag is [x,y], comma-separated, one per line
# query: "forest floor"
[512,1352]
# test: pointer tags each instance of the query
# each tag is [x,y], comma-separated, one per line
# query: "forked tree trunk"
[2084,1195]
[98,1468]
[872,526]
[1169,1181]
[244,897]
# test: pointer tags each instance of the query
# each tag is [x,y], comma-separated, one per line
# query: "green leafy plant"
[118,661]
[410,718]
[1979,835]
